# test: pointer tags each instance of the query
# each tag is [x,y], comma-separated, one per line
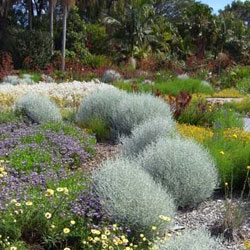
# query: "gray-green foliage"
[110,76]
[183,167]
[244,85]
[129,195]
[38,108]
[199,239]
[99,104]
[146,133]
[15,80]
[137,108]
[11,79]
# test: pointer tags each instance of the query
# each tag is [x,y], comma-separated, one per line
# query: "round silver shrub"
[137,108]
[110,76]
[146,133]
[199,239]
[99,104]
[130,197]
[183,167]
[38,108]
[11,79]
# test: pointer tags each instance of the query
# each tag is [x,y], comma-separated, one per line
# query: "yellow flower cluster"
[194,132]
[230,93]
[2,169]
[200,133]
[50,192]
[109,239]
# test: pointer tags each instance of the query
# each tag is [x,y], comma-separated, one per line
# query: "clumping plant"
[244,85]
[130,196]
[99,105]
[146,133]
[230,151]
[138,108]
[183,167]
[38,108]
[199,239]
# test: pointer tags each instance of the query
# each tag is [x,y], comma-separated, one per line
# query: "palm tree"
[66,4]
[52,4]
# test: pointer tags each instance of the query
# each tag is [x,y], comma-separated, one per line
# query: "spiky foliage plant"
[146,133]
[183,167]
[130,196]
[38,109]
[192,240]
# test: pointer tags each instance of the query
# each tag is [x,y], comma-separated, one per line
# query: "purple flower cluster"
[63,148]
[88,205]
[64,151]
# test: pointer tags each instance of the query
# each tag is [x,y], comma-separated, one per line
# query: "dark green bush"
[33,48]
[76,33]
[96,38]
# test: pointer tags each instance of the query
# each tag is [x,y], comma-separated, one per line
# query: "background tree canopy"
[124,28]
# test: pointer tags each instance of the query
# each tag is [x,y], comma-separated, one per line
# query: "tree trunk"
[30,14]
[3,32]
[65,14]
[52,26]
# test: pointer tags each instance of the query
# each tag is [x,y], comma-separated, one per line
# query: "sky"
[217,4]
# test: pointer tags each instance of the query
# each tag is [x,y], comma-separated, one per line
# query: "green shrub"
[131,197]
[243,106]
[244,85]
[172,86]
[199,239]
[137,108]
[7,116]
[199,113]
[183,167]
[100,129]
[34,45]
[96,61]
[236,74]
[38,108]
[76,33]
[231,156]
[97,38]
[146,133]
[190,85]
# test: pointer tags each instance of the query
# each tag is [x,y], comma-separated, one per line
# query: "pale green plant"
[130,196]
[38,108]
[146,133]
[183,167]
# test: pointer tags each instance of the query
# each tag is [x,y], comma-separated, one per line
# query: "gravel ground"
[103,151]
[207,214]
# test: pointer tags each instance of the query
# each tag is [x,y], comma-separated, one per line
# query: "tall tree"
[5,6]
[52,4]
[66,4]
[31,13]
